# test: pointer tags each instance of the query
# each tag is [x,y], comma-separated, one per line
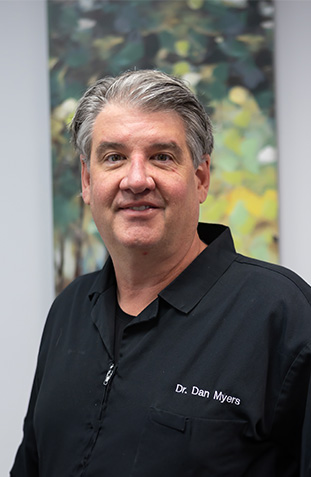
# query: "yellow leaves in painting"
[104,45]
[243,193]
[195,4]
[256,205]
[182,47]
[251,216]
[61,117]
[238,95]
[181,68]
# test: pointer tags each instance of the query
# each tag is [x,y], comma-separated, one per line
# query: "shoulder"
[273,278]
[70,310]
[80,287]
[277,303]
[75,301]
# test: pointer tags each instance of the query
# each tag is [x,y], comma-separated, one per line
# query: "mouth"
[138,206]
[141,207]
[140,210]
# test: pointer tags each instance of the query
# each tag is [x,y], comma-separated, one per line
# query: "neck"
[141,276]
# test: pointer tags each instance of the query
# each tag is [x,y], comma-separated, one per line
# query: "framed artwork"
[223,49]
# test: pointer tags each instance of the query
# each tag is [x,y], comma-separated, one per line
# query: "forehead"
[129,124]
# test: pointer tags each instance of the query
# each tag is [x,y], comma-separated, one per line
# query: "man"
[181,357]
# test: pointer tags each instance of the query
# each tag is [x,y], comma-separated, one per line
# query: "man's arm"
[293,413]
[306,432]
[26,460]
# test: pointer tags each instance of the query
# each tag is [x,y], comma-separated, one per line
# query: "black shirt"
[213,377]
[122,319]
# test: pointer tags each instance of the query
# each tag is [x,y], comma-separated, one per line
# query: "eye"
[114,158]
[162,157]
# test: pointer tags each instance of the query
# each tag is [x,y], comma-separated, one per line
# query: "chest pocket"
[175,445]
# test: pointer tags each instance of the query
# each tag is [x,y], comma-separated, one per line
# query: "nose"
[137,177]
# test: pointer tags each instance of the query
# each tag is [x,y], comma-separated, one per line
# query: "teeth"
[142,207]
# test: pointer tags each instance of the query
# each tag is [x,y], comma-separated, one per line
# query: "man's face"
[141,185]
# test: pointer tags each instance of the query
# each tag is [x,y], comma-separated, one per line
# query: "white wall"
[26,239]
[293,94]
[26,278]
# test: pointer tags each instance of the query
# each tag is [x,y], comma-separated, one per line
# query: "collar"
[105,279]
[199,277]
[196,280]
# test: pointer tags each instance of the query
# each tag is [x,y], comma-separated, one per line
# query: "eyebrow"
[170,146]
[107,145]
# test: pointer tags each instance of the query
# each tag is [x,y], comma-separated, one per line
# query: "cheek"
[101,192]
[176,188]
[186,192]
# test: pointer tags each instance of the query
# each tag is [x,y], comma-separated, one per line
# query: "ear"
[203,178]
[85,180]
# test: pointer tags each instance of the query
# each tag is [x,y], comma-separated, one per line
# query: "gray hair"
[151,91]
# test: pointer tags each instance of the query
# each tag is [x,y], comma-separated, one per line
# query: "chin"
[139,244]
[138,236]
[139,241]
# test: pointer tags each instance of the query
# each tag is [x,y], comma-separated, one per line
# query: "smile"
[142,207]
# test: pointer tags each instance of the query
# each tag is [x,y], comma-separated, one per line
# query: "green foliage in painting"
[224,50]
